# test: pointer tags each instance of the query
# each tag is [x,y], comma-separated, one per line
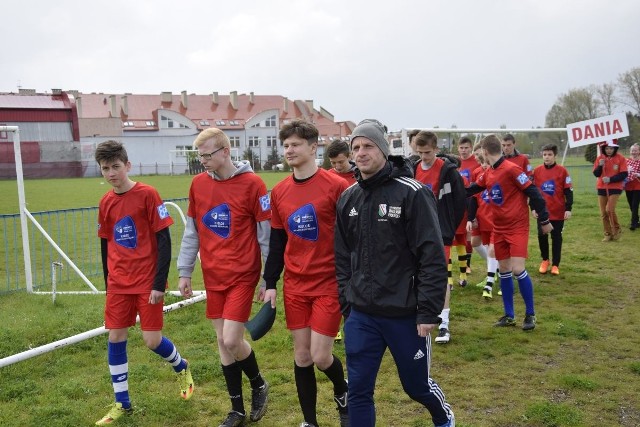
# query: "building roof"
[20,101]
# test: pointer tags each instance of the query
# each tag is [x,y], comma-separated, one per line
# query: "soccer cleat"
[443,336]
[186,382]
[529,322]
[482,284]
[343,412]
[555,270]
[487,293]
[114,413]
[338,337]
[505,321]
[234,419]
[259,401]
[306,424]
[462,283]
[544,266]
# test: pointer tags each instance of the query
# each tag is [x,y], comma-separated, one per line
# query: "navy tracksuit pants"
[366,339]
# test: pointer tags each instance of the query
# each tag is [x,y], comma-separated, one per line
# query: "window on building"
[182,150]
[234,141]
[254,141]
[204,123]
[271,141]
[220,123]
[234,123]
[150,123]
[168,123]
[257,125]
[270,122]
[127,124]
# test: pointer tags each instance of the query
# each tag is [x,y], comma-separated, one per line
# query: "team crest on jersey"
[523,178]
[485,197]
[265,203]
[163,212]
[466,173]
[429,186]
[496,194]
[125,233]
[382,210]
[567,180]
[218,220]
[548,187]
[304,223]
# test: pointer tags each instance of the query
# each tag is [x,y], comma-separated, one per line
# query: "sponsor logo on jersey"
[496,194]
[485,197]
[429,186]
[548,187]
[523,178]
[163,212]
[466,173]
[304,223]
[218,220]
[265,203]
[125,233]
[353,212]
[567,180]
[395,211]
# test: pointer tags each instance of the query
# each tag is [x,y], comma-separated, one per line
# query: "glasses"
[207,156]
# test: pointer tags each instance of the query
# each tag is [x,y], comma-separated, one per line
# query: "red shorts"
[512,244]
[233,303]
[120,312]
[460,239]
[320,313]
[485,235]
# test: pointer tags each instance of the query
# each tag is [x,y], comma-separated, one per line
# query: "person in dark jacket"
[392,276]
[439,173]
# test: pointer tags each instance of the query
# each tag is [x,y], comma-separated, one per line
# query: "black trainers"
[529,322]
[234,419]
[341,402]
[259,400]
[505,321]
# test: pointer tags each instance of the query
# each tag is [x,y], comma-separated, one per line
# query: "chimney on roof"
[166,97]
[184,98]
[74,92]
[79,106]
[125,105]
[285,105]
[324,113]
[309,103]
[113,106]
[56,91]
[251,98]
[214,98]
[233,99]
[22,91]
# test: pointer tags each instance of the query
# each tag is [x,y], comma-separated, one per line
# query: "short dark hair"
[336,148]
[301,129]
[550,147]
[426,138]
[111,151]
[491,144]
[509,137]
[465,140]
[412,133]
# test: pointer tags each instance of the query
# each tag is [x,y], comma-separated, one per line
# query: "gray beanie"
[374,131]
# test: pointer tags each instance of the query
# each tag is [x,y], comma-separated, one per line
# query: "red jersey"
[349,176]
[632,183]
[505,185]
[483,213]
[522,161]
[430,177]
[552,182]
[129,222]
[307,213]
[467,167]
[226,213]
[612,166]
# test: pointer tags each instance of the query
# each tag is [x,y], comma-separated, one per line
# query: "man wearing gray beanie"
[392,277]
[374,131]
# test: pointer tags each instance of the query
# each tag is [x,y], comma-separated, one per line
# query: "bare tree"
[607,96]
[574,106]
[630,88]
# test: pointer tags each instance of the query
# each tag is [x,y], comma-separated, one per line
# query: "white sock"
[482,251]
[445,318]
[492,265]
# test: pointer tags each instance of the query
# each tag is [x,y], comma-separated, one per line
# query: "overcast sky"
[419,63]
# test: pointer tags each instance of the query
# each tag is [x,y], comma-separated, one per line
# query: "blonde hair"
[220,139]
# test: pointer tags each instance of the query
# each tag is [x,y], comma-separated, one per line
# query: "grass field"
[580,367]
